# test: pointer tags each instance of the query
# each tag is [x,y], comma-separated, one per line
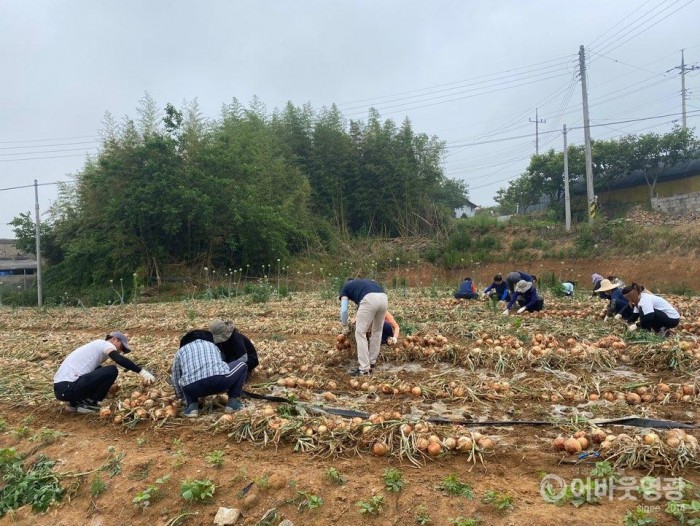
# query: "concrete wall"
[677,204]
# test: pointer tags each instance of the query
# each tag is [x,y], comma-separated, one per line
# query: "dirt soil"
[87,440]
[296,337]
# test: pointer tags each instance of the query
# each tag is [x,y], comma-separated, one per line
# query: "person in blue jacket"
[467,290]
[498,290]
[513,278]
[618,305]
[525,295]
[372,304]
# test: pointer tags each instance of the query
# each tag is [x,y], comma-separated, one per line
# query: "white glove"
[146,377]
[346,329]
[391,341]
[632,327]
[618,317]
[505,312]
[521,310]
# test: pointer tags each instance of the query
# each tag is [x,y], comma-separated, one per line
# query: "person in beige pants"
[372,304]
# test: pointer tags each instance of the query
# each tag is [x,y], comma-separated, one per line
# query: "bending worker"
[372,304]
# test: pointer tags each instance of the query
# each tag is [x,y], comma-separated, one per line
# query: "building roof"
[636,178]
[17,264]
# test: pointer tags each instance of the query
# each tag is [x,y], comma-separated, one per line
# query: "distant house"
[466,211]
[16,268]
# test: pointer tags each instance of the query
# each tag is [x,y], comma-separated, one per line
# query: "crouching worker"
[650,312]
[81,381]
[467,290]
[498,290]
[234,345]
[525,294]
[198,370]
[390,330]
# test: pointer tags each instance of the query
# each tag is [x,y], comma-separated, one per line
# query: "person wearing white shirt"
[82,382]
[650,312]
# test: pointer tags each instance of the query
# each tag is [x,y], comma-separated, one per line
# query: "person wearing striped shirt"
[199,370]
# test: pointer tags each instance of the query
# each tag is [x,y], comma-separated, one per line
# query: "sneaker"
[85,409]
[192,410]
[665,333]
[358,372]
[233,405]
[70,407]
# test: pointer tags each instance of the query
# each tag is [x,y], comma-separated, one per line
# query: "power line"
[32,186]
[45,145]
[616,36]
[53,151]
[488,92]
[652,25]
[56,139]
[590,44]
[37,158]
[503,139]
[561,60]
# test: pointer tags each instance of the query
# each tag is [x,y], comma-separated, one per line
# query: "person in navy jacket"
[497,290]
[513,278]
[618,305]
[525,295]
[467,290]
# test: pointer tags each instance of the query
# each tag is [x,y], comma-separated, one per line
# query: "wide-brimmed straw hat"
[606,285]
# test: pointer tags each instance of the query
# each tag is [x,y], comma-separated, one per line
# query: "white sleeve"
[108,348]
[646,304]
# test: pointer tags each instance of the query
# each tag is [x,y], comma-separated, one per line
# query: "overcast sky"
[467,71]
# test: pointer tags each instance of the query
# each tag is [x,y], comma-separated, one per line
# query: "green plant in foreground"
[150,493]
[335,476]
[215,458]
[113,466]
[452,486]
[46,436]
[498,499]
[21,432]
[603,470]
[393,479]
[464,521]
[39,486]
[422,516]
[97,486]
[309,501]
[638,517]
[372,506]
[197,490]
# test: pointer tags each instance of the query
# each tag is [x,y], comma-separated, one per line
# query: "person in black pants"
[82,382]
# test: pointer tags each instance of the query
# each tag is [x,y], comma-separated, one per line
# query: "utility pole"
[537,122]
[567,199]
[38,245]
[587,137]
[684,93]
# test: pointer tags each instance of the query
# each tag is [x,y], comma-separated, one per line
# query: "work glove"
[505,312]
[521,310]
[146,377]
[391,341]
[632,327]
[618,317]
[346,329]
